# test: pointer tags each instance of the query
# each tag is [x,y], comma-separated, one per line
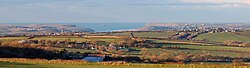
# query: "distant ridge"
[40,28]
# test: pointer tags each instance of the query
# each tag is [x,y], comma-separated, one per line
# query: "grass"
[221,37]
[99,40]
[97,65]
[95,51]
[27,65]
[17,65]
[12,38]
[218,53]
[232,52]
[80,50]
[244,33]
[215,50]
[80,39]
[146,34]
[243,49]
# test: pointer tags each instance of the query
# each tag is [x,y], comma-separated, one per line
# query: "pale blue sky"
[57,11]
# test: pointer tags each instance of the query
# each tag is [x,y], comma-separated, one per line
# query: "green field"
[244,33]
[79,50]
[194,49]
[232,52]
[221,37]
[146,34]
[79,39]
[12,38]
[72,38]
[216,50]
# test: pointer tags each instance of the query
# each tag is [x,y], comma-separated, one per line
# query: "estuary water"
[107,27]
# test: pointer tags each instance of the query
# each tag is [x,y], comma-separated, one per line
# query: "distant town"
[213,28]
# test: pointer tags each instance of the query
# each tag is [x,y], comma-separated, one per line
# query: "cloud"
[239,2]
[215,4]
[121,10]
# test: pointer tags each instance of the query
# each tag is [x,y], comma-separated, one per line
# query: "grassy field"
[79,50]
[12,38]
[244,33]
[146,34]
[243,49]
[106,40]
[73,38]
[216,50]
[194,49]
[232,52]
[220,37]
[129,65]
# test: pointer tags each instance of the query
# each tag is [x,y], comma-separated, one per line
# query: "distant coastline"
[109,27]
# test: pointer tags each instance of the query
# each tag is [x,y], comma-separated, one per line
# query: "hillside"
[163,34]
[40,28]
[220,37]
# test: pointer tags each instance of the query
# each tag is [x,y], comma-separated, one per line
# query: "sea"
[108,27]
[98,27]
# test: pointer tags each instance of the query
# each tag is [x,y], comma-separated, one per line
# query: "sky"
[126,11]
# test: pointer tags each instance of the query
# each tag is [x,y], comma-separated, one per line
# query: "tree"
[48,42]
[182,57]
[100,48]
[144,53]
[94,42]
[232,43]
[237,62]
[120,52]
[154,58]
[245,44]
[111,49]
[166,56]
[63,51]
[122,43]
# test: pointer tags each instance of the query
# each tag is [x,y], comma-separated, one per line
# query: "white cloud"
[120,10]
[215,4]
[240,2]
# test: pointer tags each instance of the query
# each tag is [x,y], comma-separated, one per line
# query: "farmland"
[163,34]
[216,50]
[80,39]
[160,39]
[20,65]
[67,64]
[12,38]
[117,37]
[221,37]
[194,49]
[79,50]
